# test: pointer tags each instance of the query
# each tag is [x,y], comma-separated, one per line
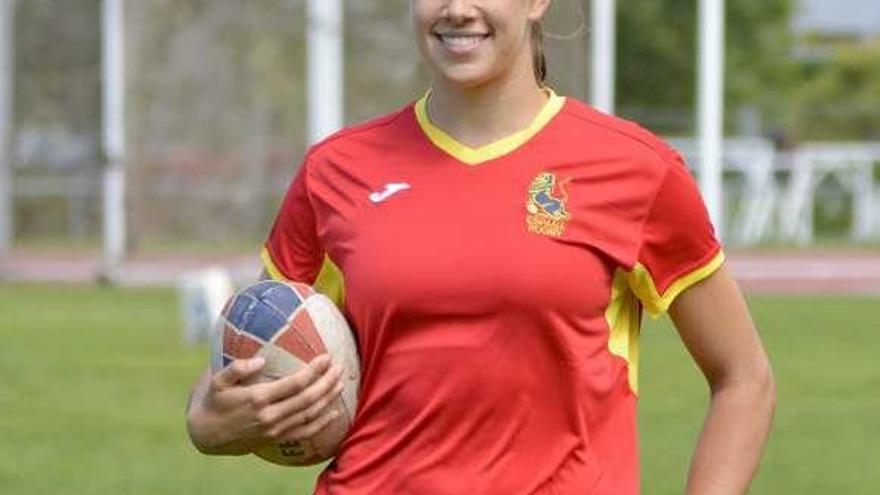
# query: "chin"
[465,76]
[464,80]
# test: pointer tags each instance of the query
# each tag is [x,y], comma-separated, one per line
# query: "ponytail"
[539,61]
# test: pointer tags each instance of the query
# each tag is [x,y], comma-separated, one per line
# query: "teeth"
[461,41]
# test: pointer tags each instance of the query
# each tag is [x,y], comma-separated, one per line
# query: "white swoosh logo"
[390,188]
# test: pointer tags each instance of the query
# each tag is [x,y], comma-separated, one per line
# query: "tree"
[842,99]
[657,45]
[57,80]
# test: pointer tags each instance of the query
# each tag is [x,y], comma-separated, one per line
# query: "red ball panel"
[238,345]
[305,329]
[304,290]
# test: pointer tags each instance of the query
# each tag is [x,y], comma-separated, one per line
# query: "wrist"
[210,438]
[204,435]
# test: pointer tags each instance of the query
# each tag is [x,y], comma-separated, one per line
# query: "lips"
[461,43]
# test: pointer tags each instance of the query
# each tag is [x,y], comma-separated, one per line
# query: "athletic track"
[817,272]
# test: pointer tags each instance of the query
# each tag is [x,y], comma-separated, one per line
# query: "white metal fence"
[216,119]
[773,196]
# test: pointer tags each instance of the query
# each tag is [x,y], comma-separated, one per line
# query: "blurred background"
[143,140]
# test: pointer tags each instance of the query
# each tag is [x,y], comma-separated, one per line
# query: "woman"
[493,246]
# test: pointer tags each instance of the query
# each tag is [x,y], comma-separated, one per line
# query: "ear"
[537,9]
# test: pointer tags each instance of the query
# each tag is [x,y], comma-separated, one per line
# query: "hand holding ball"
[289,325]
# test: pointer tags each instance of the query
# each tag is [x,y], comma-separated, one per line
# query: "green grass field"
[95,380]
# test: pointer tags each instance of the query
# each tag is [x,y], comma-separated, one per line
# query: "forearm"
[205,433]
[732,440]
[205,430]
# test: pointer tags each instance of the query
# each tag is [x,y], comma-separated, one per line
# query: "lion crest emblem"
[545,203]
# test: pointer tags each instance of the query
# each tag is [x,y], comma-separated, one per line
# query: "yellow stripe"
[622,316]
[474,156]
[329,282]
[270,267]
[622,313]
[643,285]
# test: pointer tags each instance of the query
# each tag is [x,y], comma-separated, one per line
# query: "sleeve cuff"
[657,304]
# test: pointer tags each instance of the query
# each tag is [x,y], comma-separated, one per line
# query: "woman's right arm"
[228,416]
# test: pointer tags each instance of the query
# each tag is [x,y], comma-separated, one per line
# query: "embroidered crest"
[546,205]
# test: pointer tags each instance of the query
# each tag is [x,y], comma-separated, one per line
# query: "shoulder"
[365,139]
[585,122]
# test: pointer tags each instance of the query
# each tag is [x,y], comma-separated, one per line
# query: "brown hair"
[539,61]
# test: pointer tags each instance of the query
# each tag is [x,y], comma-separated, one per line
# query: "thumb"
[237,371]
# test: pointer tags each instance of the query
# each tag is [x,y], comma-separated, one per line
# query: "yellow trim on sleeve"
[474,156]
[624,327]
[643,285]
[622,313]
[270,267]
[331,283]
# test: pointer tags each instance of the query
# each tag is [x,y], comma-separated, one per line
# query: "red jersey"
[496,295]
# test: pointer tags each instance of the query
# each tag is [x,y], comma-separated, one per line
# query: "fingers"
[290,385]
[311,428]
[307,406]
[237,371]
[300,403]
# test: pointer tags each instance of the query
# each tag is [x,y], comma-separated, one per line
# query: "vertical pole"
[7,71]
[113,66]
[325,68]
[711,105]
[603,54]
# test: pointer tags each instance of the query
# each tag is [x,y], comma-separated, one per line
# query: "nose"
[459,11]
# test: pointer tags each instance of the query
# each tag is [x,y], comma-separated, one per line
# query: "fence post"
[113,93]
[711,105]
[325,67]
[603,58]
[7,76]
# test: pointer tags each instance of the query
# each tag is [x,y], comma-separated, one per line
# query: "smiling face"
[470,43]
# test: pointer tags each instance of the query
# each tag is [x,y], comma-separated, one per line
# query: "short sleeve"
[678,246]
[293,250]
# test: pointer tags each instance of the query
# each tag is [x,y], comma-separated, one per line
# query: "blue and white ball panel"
[263,309]
[254,317]
[281,297]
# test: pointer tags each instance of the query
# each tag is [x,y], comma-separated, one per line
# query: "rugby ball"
[289,324]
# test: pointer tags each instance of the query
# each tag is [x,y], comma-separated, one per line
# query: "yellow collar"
[491,151]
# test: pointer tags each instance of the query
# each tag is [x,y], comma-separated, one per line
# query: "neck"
[480,115]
